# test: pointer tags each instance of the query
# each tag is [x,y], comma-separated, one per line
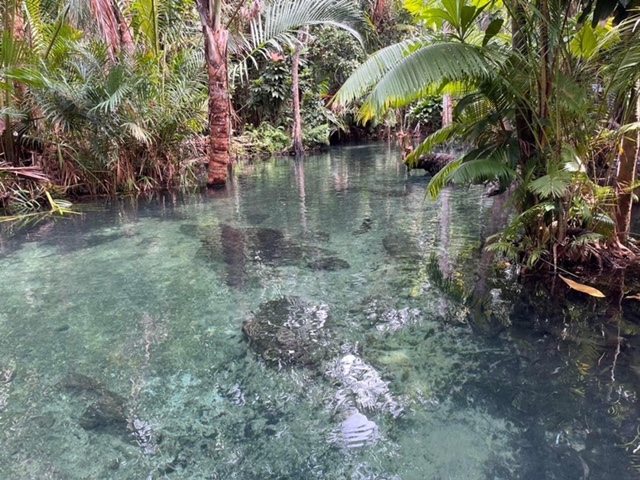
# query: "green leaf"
[482,170]
[442,178]
[416,75]
[492,30]
[554,184]
[374,68]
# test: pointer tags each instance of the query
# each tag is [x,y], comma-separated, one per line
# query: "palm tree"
[528,110]
[276,23]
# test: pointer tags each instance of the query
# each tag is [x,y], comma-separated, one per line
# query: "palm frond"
[374,68]
[418,73]
[138,132]
[280,20]
[146,16]
[36,25]
[483,170]
[442,178]
[444,135]
[554,184]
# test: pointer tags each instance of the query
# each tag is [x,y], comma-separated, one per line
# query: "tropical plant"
[255,32]
[529,112]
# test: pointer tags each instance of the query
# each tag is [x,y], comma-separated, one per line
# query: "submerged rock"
[270,246]
[106,412]
[398,245]
[362,388]
[432,162]
[235,258]
[288,331]
[365,227]
[106,415]
[355,432]
[330,264]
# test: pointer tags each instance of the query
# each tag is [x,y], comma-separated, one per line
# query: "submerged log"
[432,162]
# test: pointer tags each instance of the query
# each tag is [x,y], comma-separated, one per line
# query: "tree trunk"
[626,175]
[523,114]
[447,99]
[545,74]
[219,112]
[13,23]
[447,110]
[216,40]
[126,38]
[298,148]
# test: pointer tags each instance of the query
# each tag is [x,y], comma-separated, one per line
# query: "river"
[315,319]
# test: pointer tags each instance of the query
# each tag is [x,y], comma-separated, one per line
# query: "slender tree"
[276,23]
[216,45]
[296,135]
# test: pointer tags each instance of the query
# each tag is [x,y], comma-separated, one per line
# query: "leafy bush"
[316,137]
[263,140]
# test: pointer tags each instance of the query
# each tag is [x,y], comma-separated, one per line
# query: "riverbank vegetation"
[546,102]
[113,97]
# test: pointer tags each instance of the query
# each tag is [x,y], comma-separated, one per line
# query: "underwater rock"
[330,264]
[106,412]
[355,432]
[233,251]
[189,229]
[315,236]
[365,227]
[398,245]
[256,217]
[144,436]
[106,415]
[387,319]
[270,246]
[238,247]
[288,331]
[362,387]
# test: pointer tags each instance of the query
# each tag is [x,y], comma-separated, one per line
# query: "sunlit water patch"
[302,323]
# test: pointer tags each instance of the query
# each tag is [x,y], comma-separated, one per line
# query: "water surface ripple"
[312,320]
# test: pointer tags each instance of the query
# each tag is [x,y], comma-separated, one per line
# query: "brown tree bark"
[447,110]
[523,114]
[219,111]
[626,175]
[13,23]
[216,39]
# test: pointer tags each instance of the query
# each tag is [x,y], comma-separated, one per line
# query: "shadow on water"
[568,374]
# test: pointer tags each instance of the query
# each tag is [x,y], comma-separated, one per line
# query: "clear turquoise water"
[122,353]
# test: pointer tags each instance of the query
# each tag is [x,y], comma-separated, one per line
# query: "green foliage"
[264,140]
[316,137]
[426,114]
[536,113]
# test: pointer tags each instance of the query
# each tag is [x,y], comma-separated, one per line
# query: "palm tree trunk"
[447,110]
[523,114]
[298,147]
[219,111]
[626,175]
[545,80]
[13,24]
[447,99]
[216,39]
